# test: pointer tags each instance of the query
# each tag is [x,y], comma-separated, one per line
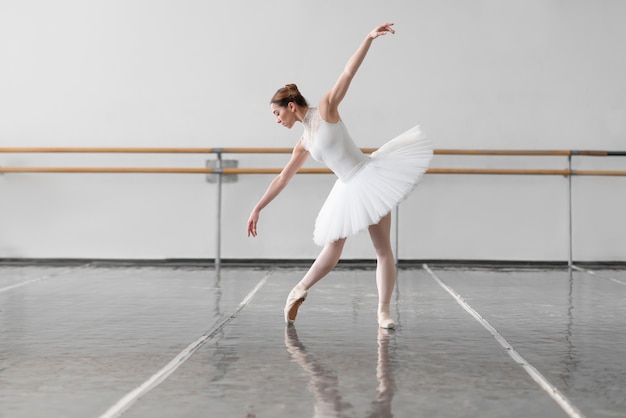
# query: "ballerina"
[367,189]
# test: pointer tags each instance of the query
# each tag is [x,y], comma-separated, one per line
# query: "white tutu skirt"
[384,181]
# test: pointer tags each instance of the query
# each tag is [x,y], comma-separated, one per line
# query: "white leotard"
[332,145]
[368,186]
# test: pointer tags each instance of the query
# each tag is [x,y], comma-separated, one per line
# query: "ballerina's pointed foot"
[384,319]
[297,295]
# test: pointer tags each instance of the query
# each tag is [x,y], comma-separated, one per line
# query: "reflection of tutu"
[388,178]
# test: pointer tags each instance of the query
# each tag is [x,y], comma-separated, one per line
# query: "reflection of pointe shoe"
[383,366]
[381,406]
[297,295]
[384,334]
[384,319]
[293,344]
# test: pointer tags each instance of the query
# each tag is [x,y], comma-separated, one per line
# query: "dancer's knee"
[383,249]
[331,254]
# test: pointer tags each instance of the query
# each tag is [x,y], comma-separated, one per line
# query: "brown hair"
[288,93]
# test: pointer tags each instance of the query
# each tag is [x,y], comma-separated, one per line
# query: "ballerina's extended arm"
[330,102]
[298,158]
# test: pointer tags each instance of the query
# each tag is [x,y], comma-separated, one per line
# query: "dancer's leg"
[323,264]
[385,262]
[385,268]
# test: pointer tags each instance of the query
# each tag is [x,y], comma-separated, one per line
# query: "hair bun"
[289,93]
[292,87]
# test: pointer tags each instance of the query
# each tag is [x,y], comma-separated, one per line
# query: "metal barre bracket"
[217,166]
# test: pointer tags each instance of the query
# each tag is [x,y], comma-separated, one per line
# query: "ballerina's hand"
[254,218]
[382,30]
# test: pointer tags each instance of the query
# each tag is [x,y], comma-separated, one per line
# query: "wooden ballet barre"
[273,150]
[500,171]
[600,153]
[556,153]
[140,170]
[271,171]
[614,173]
[47,150]
[437,151]
[152,170]
[100,150]
[562,172]
[225,171]
[563,153]
[50,150]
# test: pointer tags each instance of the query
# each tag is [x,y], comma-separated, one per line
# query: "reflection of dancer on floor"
[324,384]
[381,407]
[367,189]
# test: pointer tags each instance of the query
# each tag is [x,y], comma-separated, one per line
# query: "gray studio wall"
[492,74]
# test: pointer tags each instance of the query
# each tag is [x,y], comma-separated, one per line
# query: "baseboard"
[300,263]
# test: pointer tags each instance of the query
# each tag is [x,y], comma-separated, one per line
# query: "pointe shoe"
[297,295]
[384,319]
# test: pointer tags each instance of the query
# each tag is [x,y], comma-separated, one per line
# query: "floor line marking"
[593,273]
[133,396]
[548,387]
[38,279]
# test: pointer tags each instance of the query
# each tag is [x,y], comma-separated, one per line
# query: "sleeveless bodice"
[331,145]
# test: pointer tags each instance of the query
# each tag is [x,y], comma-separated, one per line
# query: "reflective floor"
[90,341]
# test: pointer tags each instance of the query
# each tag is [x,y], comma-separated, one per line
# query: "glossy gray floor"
[167,341]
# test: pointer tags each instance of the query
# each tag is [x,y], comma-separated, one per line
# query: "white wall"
[513,74]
